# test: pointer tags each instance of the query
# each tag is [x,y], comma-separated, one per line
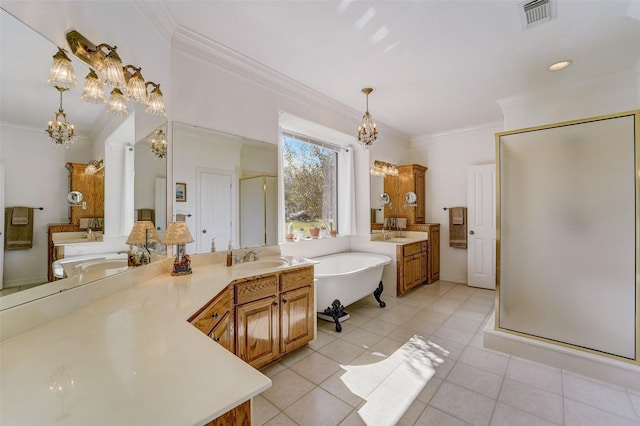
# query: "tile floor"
[441,377]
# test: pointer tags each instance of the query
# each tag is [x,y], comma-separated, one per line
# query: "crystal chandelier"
[367,132]
[159,144]
[59,130]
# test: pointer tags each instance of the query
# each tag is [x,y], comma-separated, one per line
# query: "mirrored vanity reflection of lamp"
[142,232]
[178,234]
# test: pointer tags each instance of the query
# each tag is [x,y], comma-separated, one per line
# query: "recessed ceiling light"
[560,65]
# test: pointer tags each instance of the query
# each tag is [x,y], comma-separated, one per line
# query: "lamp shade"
[177,233]
[139,233]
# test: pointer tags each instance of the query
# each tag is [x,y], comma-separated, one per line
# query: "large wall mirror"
[33,170]
[227,188]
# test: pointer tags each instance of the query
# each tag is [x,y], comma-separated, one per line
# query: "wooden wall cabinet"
[92,188]
[411,178]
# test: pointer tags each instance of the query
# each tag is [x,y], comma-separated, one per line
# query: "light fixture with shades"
[61,73]
[142,232]
[60,131]
[94,167]
[159,144]
[178,233]
[367,131]
[93,91]
[382,168]
[107,69]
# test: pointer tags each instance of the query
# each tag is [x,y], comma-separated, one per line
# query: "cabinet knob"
[471,232]
[275,303]
[284,301]
[215,315]
[216,339]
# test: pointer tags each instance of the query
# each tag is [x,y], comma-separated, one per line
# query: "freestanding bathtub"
[344,278]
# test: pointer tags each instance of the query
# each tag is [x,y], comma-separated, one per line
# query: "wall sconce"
[94,167]
[106,68]
[141,233]
[178,233]
[61,73]
[382,168]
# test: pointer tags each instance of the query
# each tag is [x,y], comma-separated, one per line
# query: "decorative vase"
[333,232]
[314,232]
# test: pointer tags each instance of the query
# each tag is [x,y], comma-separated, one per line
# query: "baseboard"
[587,364]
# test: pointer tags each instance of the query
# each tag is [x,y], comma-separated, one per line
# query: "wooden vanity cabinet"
[215,320]
[412,266]
[274,315]
[412,179]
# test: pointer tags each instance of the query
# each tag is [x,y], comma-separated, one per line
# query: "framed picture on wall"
[181,192]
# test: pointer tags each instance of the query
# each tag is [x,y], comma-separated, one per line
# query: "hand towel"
[17,237]
[147,214]
[458,231]
[457,214]
[180,217]
[20,216]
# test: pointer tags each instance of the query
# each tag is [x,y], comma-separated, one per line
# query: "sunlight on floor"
[391,385]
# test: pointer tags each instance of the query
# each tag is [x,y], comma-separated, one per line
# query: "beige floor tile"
[378,326]
[315,367]
[462,324]
[448,348]
[341,351]
[505,415]
[287,387]
[272,369]
[598,394]
[532,400]
[429,389]
[411,415]
[356,319]
[430,315]
[281,420]
[393,317]
[578,414]
[318,407]
[453,334]
[337,387]
[464,404]
[322,339]
[353,419]
[362,337]
[485,359]
[263,410]
[475,379]
[433,417]
[296,356]
[535,374]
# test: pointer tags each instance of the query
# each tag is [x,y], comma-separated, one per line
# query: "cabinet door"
[418,176]
[223,333]
[423,267]
[257,331]
[434,255]
[296,310]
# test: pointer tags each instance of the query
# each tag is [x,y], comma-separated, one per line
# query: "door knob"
[204,231]
[471,232]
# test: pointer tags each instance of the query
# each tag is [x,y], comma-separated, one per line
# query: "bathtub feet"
[336,311]
[377,294]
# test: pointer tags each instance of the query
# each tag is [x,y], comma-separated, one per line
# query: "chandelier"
[367,132]
[159,144]
[60,131]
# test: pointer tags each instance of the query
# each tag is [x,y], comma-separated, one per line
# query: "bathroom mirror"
[383,199]
[231,183]
[31,166]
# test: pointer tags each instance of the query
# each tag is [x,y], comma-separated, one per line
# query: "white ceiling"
[435,65]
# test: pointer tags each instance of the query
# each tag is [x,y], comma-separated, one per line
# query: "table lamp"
[141,233]
[178,234]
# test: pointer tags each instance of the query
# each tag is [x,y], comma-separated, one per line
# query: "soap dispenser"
[229,256]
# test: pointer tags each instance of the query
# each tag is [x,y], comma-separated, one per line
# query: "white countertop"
[132,357]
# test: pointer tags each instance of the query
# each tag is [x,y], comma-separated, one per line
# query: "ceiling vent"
[536,12]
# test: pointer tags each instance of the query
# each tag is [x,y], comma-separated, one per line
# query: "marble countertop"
[129,359]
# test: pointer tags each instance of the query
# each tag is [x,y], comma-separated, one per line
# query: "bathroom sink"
[261,264]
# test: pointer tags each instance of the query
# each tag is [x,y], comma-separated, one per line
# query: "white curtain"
[346,193]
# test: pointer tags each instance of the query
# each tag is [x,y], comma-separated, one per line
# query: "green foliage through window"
[310,182]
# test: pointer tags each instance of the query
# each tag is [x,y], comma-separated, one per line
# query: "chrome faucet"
[251,253]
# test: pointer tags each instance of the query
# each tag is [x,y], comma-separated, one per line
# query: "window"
[310,174]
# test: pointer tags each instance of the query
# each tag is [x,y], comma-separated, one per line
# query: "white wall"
[447,157]
[35,176]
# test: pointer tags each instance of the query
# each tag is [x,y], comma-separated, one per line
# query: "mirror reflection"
[39,175]
[226,188]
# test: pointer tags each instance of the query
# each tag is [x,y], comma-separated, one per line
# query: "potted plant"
[314,231]
[289,235]
[332,231]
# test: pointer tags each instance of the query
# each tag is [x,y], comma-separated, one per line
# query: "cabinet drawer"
[213,312]
[413,248]
[255,288]
[296,278]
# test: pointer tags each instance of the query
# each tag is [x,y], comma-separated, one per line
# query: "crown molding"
[492,125]
[201,48]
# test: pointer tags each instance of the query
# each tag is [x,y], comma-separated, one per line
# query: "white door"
[481,202]
[214,211]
